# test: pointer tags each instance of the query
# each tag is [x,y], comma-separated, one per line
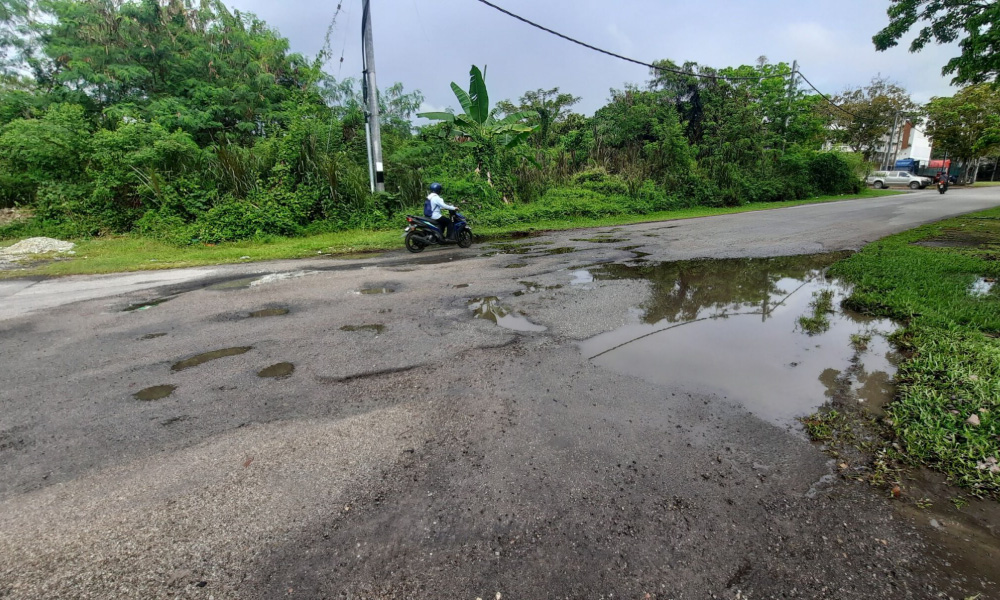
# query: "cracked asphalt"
[430,454]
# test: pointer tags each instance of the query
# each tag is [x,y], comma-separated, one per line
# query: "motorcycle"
[942,186]
[421,232]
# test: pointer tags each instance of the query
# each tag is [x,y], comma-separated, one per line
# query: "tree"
[965,125]
[208,70]
[975,24]
[685,90]
[551,106]
[485,134]
[866,115]
[14,19]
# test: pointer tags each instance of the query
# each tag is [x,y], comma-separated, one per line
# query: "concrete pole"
[888,147]
[792,87]
[376,170]
[898,141]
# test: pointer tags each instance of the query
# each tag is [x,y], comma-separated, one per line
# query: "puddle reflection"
[730,327]
[489,308]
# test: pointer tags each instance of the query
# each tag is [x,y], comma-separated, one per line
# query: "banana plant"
[478,122]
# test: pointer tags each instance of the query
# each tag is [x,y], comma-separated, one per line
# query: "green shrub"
[258,216]
[164,225]
[34,151]
[832,174]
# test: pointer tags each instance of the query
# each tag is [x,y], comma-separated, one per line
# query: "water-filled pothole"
[600,240]
[516,266]
[203,358]
[157,392]
[489,308]
[373,327]
[153,336]
[555,251]
[278,371]
[268,312]
[369,291]
[531,287]
[232,284]
[731,328]
[147,305]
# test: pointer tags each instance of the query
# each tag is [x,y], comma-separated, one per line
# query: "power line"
[825,97]
[625,58]
[666,69]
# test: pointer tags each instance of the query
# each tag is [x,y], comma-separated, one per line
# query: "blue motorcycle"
[421,232]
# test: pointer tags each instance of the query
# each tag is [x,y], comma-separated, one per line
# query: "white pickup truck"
[882,179]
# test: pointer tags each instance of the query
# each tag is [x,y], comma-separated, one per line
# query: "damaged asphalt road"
[414,450]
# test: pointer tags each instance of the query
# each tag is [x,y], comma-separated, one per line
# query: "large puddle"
[750,330]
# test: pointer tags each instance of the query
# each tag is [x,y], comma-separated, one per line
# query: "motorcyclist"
[437,203]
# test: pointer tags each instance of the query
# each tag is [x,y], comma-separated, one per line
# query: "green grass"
[132,253]
[986,184]
[951,338]
[818,321]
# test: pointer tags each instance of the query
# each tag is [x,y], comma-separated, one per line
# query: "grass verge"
[938,281]
[133,253]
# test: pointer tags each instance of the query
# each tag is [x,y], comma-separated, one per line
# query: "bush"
[34,151]
[260,215]
[832,174]
[164,225]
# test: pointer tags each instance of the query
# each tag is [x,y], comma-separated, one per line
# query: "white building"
[913,143]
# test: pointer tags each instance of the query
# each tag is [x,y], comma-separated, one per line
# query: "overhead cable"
[827,98]
[625,58]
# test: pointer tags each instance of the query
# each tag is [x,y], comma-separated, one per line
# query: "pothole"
[233,284]
[157,392]
[600,240]
[369,291]
[489,308]
[268,312]
[147,305]
[581,277]
[205,357]
[153,336]
[376,328]
[731,328]
[277,371]
[555,251]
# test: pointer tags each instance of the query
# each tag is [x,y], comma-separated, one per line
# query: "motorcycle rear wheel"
[414,245]
[465,238]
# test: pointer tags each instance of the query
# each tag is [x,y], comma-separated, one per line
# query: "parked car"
[883,179]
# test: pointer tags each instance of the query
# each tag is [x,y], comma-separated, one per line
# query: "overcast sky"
[426,44]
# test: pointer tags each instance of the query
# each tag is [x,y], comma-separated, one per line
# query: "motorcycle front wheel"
[414,245]
[465,238]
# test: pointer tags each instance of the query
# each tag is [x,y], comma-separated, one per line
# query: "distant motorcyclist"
[432,209]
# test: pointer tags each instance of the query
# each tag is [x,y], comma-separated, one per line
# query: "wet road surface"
[434,426]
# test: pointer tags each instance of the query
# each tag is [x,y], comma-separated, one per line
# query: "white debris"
[36,245]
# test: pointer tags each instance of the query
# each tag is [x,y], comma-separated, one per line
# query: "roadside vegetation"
[130,252]
[939,281]
[192,124]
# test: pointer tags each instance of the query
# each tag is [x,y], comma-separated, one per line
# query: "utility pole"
[899,140]
[792,87]
[892,134]
[376,172]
